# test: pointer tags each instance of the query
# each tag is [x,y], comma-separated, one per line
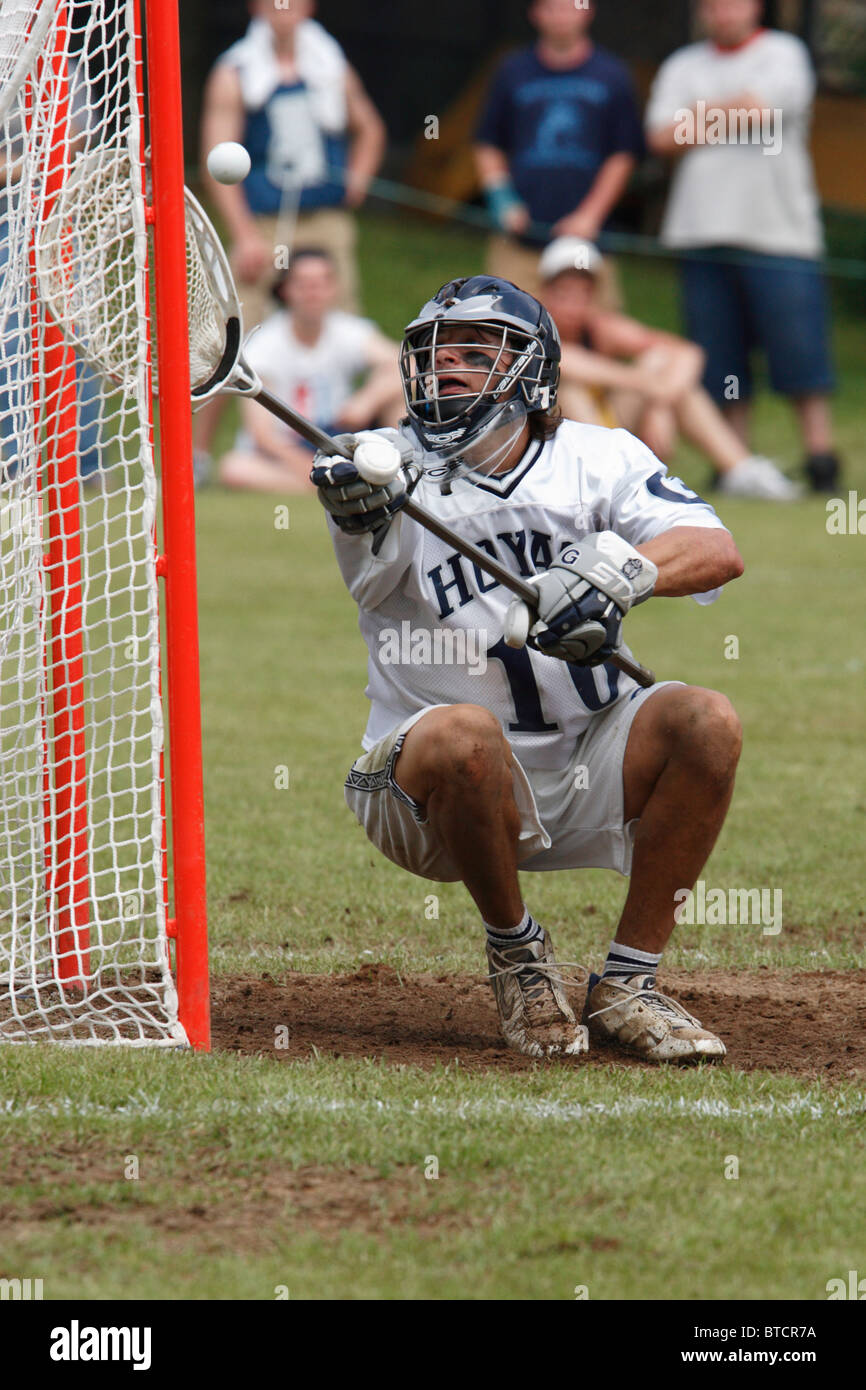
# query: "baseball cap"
[569,253]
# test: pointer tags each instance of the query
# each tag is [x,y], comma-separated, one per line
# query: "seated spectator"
[310,354]
[616,371]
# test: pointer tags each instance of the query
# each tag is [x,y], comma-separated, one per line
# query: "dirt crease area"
[810,1024]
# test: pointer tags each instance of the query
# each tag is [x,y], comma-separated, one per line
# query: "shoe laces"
[536,975]
[663,1004]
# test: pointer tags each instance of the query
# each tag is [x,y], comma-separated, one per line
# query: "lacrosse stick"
[218,364]
[217,361]
[23,26]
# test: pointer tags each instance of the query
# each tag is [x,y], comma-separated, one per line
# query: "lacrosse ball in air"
[376,459]
[228,162]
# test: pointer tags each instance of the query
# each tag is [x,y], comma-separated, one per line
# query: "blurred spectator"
[17,347]
[558,139]
[286,92]
[616,371]
[309,354]
[743,207]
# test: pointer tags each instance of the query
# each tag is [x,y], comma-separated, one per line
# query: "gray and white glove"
[358,506]
[582,600]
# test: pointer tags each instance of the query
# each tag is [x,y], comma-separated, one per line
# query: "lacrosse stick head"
[216,328]
[90,261]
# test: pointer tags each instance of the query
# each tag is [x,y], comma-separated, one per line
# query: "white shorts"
[570,818]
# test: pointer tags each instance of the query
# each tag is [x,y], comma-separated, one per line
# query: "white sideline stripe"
[143,1107]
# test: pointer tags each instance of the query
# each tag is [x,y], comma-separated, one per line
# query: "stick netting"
[83,949]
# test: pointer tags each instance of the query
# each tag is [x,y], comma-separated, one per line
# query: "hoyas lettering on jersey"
[533,551]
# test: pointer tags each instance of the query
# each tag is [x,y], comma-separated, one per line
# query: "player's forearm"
[610,184]
[692,560]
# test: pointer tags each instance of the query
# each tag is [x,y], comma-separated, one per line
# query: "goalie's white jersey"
[433,622]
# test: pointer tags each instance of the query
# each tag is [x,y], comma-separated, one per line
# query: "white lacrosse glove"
[582,600]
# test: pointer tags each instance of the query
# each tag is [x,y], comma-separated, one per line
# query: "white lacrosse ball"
[228,162]
[376,459]
[517,623]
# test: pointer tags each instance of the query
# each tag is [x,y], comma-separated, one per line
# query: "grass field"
[257,1176]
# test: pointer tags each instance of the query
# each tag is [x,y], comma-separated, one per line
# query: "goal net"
[85,924]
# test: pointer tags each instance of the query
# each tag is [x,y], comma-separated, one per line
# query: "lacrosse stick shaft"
[525,591]
[305,428]
[431,523]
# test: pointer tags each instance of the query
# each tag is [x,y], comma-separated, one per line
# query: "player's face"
[568,297]
[311,289]
[465,358]
[561,21]
[285,19]
[729,22]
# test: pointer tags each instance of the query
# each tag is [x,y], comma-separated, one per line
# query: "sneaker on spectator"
[759,477]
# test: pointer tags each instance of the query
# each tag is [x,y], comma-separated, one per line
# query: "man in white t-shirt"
[743,208]
[311,355]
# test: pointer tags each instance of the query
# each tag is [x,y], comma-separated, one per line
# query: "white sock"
[623,961]
[527,930]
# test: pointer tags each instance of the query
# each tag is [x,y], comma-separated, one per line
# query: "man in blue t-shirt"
[558,140]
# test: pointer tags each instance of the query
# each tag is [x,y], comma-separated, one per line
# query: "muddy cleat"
[634,1014]
[534,1013]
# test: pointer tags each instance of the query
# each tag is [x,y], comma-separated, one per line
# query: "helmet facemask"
[467,384]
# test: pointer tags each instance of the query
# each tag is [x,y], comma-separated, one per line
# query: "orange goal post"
[103,935]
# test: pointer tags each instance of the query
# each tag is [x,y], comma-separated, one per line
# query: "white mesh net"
[83,948]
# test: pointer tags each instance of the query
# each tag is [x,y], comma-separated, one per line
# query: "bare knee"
[458,743]
[707,731]
[467,741]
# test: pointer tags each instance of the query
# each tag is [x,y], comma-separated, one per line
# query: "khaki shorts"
[570,818]
[331,229]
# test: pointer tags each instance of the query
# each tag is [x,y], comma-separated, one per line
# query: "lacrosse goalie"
[534,752]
